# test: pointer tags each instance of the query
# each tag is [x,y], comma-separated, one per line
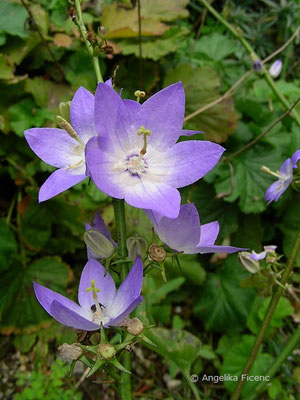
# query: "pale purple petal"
[257,256]
[100,226]
[94,270]
[276,189]
[82,114]
[68,317]
[163,114]
[182,233]
[191,161]
[154,217]
[133,108]
[112,119]
[295,158]
[128,292]
[116,321]
[54,146]
[157,197]
[108,82]
[209,233]
[287,168]
[59,181]
[188,132]
[218,249]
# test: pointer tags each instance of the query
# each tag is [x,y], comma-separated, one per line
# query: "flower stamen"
[94,291]
[69,129]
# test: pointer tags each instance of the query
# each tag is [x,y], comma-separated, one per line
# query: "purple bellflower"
[260,256]
[99,301]
[135,156]
[284,175]
[185,233]
[99,226]
[65,150]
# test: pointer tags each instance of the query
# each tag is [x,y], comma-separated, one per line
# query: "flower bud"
[107,49]
[257,66]
[102,30]
[251,265]
[106,351]
[64,110]
[98,243]
[156,252]
[69,352]
[135,327]
[275,69]
[136,246]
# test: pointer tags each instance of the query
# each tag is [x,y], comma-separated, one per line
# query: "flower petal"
[116,321]
[94,270]
[154,196]
[68,317]
[295,158]
[128,292]
[190,161]
[186,132]
[287,168]
[82,114]
[209,233]
[52,145]
[163,114]
[133,108]
[218,249]
[59,181]
[182,233]
[275,190]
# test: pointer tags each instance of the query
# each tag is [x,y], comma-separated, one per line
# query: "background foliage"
[203,309]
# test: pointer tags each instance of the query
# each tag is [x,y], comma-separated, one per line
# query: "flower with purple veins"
[99,301]
[185,234]
[98,227]
[135,156]
[284,175]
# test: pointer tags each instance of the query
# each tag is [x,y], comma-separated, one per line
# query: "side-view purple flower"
[135,156]
[284,175]
[185,233]
[99,301]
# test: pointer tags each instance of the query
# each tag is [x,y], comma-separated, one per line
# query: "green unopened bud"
[156,252]
[64,110]
[135,327]
[106,351]
[69,352]
[136,246]
[252,266]
[98,243]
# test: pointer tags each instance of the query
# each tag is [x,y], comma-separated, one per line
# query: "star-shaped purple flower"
[135,156]
[285,177]
[99,301]
[56,147]
[185,233]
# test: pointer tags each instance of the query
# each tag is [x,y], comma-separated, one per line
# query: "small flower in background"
[257,66]
[98,240]
[262,255]
[135,156]
[275,68]
[99,301]
[185,233]
[284,175]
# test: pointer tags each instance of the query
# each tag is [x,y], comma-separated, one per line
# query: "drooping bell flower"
[275,68]
[284,175]
[99,301]
[135,156]
[185,233]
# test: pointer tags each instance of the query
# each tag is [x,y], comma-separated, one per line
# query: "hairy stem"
[237,33]
[119,210]
[83,31]
[269,313]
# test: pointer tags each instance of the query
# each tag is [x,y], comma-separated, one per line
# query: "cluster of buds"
[99,43]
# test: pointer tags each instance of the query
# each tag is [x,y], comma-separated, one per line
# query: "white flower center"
[136,165]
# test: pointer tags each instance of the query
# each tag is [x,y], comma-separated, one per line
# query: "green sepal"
[98,364]
[145,339]
[92,349]
[85,360]
[103,337]
[118,365]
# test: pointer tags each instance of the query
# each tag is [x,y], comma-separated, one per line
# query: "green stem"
[288,348]
[238,34]
[119,210]
[268,316]
[193,386]
[79,22]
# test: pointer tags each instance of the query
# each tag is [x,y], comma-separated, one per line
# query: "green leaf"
[222,304]
[36,226]
[19,309]
[283,309]
[24,342]
[8,246]
[235,360]
[6,68]
[216,46]
[250,183]
[191,269]
[201,86]
[179,346]
[12,19]
[159,294]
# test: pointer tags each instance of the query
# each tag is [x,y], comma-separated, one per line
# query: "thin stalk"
[119,210]
[237,33]
[193,386]
[268,316]
[288,348]
[11,208]
[79,22]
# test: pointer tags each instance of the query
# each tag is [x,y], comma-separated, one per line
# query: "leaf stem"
[268,316]
[238,34]
[79,22]
[119,210]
